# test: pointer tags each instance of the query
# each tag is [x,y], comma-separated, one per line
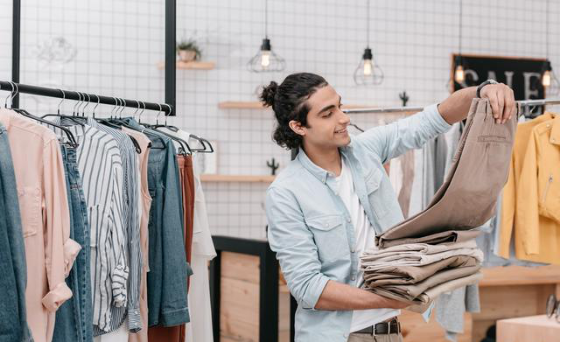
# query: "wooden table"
[528,329]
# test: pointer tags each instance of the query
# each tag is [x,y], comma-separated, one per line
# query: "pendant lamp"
[459,75]
[266,60]
[368,72]
[548,79]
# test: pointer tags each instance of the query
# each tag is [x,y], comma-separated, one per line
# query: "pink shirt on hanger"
[45,217]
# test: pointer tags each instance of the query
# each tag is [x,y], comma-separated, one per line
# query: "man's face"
[327,124]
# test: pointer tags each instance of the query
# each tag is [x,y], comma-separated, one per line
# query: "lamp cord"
[460,32]
[546,29]
[367,23]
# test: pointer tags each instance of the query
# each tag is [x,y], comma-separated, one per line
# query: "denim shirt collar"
[321,174]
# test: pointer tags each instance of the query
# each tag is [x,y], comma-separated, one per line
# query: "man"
[325,208]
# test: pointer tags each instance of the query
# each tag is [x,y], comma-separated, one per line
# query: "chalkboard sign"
[523,75]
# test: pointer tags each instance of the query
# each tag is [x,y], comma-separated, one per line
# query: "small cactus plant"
[274,166]
[404,98]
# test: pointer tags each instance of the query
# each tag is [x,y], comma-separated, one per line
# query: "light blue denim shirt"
[310,228]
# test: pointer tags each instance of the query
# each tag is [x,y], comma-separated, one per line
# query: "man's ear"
[297,127]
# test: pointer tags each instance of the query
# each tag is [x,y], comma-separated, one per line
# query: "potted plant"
[188,50]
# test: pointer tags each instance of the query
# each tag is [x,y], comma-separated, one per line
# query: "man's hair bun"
[268,94]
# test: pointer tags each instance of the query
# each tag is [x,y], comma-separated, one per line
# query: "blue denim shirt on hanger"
[13,267]
[74,318]
[167,279]
[310,228]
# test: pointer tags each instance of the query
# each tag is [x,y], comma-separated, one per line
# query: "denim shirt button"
[348,219]
[353,250]
[353,278]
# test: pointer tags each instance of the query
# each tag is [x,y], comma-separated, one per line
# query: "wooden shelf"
[240,105]
[518,275]
[238,178]
[190,65]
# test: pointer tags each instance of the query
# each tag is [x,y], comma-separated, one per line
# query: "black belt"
[384,328]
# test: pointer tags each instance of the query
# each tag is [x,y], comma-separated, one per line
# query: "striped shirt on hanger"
[132,221]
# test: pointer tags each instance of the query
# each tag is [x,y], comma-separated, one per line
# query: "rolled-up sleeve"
[390,141]
[118,274]
[295,248]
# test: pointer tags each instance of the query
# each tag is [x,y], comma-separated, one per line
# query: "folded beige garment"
[430,294]
[412,291]
[415,259]
[424,248]
[451,236]
[433,293]
[397,275]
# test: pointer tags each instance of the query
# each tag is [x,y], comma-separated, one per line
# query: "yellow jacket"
[531,196]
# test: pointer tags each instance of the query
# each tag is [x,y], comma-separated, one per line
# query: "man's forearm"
[455,108]
[338,296]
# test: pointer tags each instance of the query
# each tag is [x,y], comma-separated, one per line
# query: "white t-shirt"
[364,234]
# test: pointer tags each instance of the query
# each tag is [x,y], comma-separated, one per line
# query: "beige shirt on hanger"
[45,218]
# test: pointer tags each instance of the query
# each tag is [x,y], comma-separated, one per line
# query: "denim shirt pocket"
[373,182]
[330,236]
[31,212]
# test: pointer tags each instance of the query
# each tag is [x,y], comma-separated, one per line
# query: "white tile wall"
[120,42]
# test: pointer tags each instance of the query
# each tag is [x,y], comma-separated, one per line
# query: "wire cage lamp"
[368,72]
[266,60]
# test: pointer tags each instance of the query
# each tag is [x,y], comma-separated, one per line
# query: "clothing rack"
[18,88]
[526,103]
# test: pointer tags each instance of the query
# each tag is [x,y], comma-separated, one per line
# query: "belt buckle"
[388,332]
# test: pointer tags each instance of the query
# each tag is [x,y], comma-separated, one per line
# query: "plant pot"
[187,55]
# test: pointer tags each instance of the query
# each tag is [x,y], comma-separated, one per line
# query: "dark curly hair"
[289,103]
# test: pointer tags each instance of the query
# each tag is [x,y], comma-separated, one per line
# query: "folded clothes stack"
[434,251]
[417,273]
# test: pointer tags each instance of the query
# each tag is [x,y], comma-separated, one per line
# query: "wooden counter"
[524,329]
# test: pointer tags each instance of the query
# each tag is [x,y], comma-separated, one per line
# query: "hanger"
[529,111]
[123,109]
[117,123]
[171,128]
[83,101]
[72,117]
[86,105]
[71,138]
[93,111]
[184,150]
[108,121]
[355,126]
[122,122]
[10,96]
[141,112]
[201,141]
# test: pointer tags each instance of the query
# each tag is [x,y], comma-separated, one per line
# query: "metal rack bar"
[16,44]
[418,109]
[73,95]
[169,73]
[544,102]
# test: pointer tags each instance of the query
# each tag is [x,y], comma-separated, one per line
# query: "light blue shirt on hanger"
[310,228]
